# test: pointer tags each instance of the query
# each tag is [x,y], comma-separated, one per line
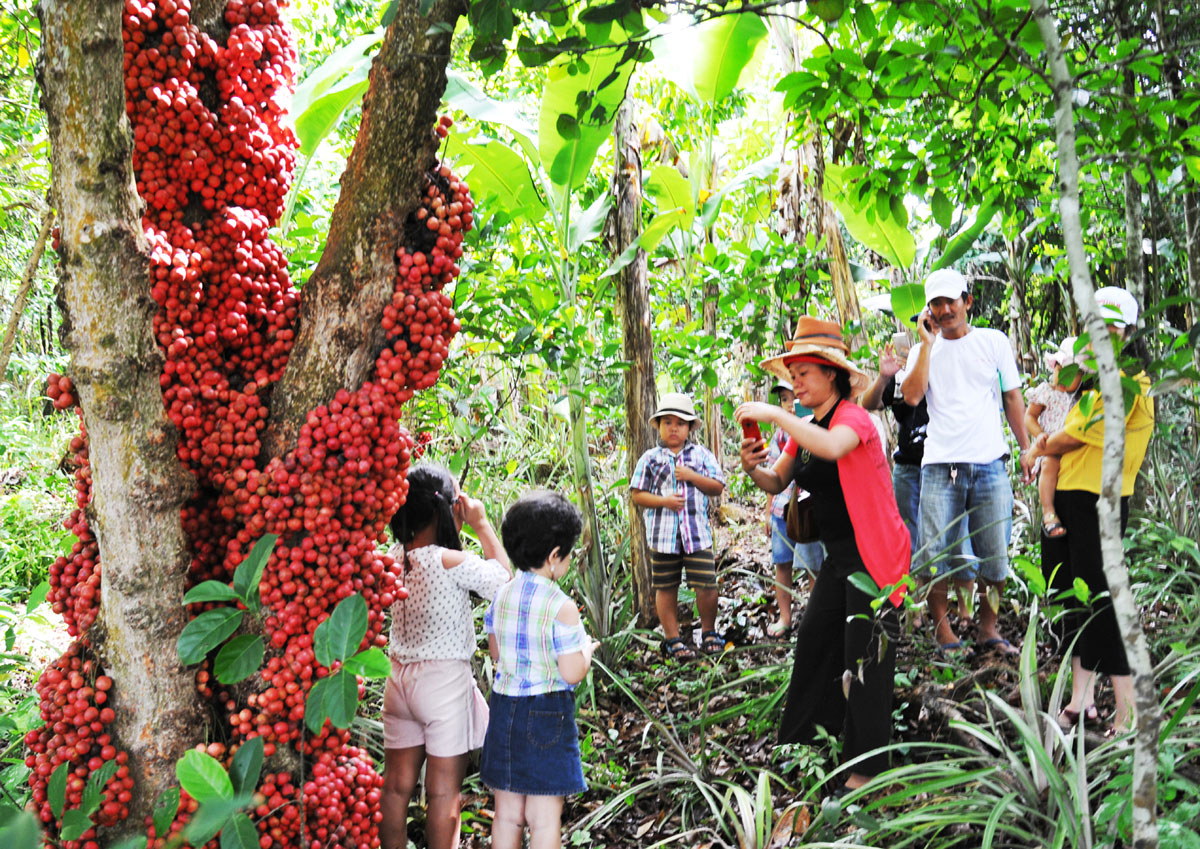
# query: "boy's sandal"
[1068,719]
[713,643]
[676,649]
[1053,527]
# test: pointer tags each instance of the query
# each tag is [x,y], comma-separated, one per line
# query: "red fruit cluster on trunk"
[213,158]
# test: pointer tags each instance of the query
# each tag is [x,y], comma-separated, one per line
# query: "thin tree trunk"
[1191,222]
[139,485]
[339,332]
[840,277]
[1145,832]
[633,307]
[712,408]
[22,298]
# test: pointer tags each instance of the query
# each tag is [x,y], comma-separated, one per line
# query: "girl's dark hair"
[430,500]
[841,380]
[538,523]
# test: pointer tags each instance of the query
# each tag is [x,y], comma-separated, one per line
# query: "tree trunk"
[1191,222]
[633,307]
[22,297]
[1145,832]
[840,277]
[339,333]
[712,408]
[139,485]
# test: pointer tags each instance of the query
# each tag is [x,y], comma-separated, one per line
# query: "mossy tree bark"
[633,306]
[139,485]
[1144,788]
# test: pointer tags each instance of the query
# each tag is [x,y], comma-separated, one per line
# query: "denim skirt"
[532,745]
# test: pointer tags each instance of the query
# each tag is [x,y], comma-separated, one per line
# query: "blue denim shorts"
[532,745]
[802,555]
[961,501]
[906,481]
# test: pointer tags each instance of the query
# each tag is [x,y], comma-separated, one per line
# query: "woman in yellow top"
[1099,648]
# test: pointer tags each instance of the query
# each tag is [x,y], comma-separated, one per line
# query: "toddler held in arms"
[1049,403]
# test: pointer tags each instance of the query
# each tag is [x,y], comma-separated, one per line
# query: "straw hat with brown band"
[821,342]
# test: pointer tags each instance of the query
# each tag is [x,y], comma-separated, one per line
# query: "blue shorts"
[961,501]
[532,745]
[801,555]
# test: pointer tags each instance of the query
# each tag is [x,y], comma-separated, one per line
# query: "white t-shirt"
[966,379]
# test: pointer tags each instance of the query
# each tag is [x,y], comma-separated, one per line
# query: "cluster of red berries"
[213,162]
[61,391]
[73,694]
[75,579]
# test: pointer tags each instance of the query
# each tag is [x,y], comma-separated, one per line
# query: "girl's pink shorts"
[435,704]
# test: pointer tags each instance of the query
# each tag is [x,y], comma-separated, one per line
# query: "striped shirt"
[529,638]
[669,530]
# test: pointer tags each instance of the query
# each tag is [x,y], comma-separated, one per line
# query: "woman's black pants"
[839,631]
[1076,555]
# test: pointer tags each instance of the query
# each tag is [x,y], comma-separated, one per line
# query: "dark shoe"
[1053,527]
[1068,719]
[713,643]
[676,649]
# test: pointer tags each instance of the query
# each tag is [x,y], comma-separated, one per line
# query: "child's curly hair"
[538,523]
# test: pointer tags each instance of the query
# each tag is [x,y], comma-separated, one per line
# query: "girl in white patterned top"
[433,712]
[1049,403]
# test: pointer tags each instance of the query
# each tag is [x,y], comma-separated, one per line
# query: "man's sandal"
[1053,527]
[713,643]
[676,649]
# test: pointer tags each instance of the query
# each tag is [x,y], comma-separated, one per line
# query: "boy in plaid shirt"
[673,482]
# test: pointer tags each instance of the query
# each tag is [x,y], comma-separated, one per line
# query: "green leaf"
[239,658]
[763,169]
[907,302]
[138,841]
[56,788]
[203,777]
[339,63]
[671,190]
[864,583]
[1080,588]
[943,210]
[165,811]
[567,126]
[206,632]
[249,571]
[499,171]
[601,84]
[319,120]
[36,596]
[589,224]
[879,232]
[965,238]
[339,636]
[370,663]
[212,816]
[246,765]
[1193,166]
[19,830]
[462,95]
[92,791]
[239,833]
[341,699]
[647,240]
[707,61]
[314,706]
[74,823]
[210,591]
[389,14]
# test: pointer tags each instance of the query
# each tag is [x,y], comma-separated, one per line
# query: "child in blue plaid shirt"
[541,651]
[674,481]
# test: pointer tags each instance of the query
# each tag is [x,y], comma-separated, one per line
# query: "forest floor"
[661,740]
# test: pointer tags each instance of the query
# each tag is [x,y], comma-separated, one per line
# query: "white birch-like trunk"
[1145,833]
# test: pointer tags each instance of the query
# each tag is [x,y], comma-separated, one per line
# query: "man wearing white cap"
[965,374]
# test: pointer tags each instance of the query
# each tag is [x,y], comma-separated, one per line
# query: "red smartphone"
[751,430]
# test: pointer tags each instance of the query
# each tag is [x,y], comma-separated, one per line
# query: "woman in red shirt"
[841,677]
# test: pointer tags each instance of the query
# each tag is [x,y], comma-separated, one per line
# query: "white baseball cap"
[1117,307]
[944,283]
[1065,355]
